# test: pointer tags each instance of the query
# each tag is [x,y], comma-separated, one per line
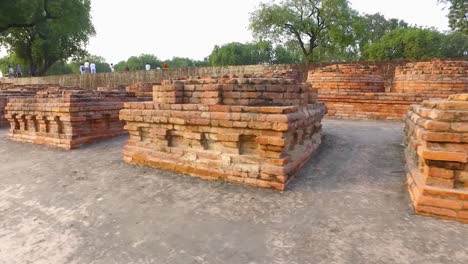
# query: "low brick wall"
[434,77]
[236,129]
[347,78]
[378,106]
[437,157]
[357,92]
[66,119]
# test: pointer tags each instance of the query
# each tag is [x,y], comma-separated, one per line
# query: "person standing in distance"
[148,66]
[92,66]
[11,72]
[112,67]
[82,69]
[86,66]
[19,71]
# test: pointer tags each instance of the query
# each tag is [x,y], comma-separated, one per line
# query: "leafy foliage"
[52,40]
[311,23]
[417,44]
[137,63]
[458,15]
[24,13]
[251,53]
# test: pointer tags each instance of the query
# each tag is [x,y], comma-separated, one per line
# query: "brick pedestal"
[66,120]
[437,157]
[256,131]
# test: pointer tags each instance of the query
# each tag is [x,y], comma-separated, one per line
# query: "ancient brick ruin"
[357,91]
[437,157]
[256,130]
[347,78]
[8,91]
[66,119]
[141,90]
[434,78]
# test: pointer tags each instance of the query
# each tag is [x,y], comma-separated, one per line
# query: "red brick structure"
[66,119]
[357,92]
[256,130]
[437,157]
[4,96]
[142,90]
[432,78]
[347,78]
[8,90]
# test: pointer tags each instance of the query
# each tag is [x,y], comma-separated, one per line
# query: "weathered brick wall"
[8,90]
[378,106]
[66,119]
[347,78]
[437,157]
[434,77]
[213,136]
[355,91]
[142,90]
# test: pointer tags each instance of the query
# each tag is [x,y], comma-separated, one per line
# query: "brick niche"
[66,119]
[256,130]
[437,157]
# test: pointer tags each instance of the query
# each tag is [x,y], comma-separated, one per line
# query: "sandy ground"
[348,205]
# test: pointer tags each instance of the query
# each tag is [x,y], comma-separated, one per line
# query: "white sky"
[187,28]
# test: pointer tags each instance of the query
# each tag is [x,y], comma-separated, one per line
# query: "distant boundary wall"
[89,81]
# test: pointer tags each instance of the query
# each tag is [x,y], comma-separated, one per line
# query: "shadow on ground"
[348,205]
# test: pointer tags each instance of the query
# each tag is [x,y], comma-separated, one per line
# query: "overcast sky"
[186,28]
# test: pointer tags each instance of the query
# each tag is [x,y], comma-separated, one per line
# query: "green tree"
[178,62]
[261,52]
[24,13]
[370,28]
[311,23]
[455,45]
[406,44]
[52,40]
[231,54]
[458,14]
[137,63]
[60,68]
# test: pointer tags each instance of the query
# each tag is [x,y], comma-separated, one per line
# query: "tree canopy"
[261,52]
[417,44]
[458,15]
[24,13]
[50,40]
[311,23]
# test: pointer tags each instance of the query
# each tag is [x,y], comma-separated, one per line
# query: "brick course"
[437,157]
[434,77]
[357,92]
[254,130]
[347,78]
[66,118]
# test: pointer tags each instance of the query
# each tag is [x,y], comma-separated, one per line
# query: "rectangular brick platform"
[360,105]
[437,157]
[257,131]
[66,119]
